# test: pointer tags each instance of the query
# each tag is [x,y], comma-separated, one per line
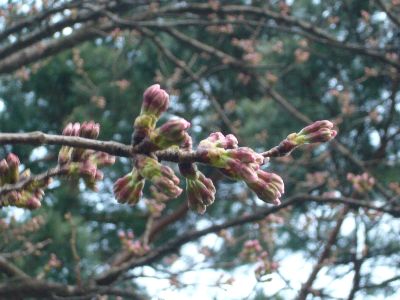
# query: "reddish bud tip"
[155,100]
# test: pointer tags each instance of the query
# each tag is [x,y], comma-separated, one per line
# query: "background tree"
[259,70]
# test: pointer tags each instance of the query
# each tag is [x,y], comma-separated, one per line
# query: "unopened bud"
[200,193]
[317,132]
[155,101]
[217,139]
[169,134]
[13,160]
[67,130]
[163,177]
[128,189]
[362,183]
[89,130]
[143,126]
[269,187]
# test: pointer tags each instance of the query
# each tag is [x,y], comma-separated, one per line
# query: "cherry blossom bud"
[89,130]
[171,133]
[187,143]
[33,202]
[316,126]
[361,183]
[64,155]
[75,129]
[128,189]
[29,199]
[246,155]
[269,187]
[217,139]
[241,171]
[200,193]
[317,132]
[103,159]
[87,169]
[155,101]
[252,245]
[163,177]
[143,126]
[4,171]
[67,130]
[13,164]
[231,142]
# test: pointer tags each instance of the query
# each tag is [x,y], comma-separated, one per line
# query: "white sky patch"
[2,105]
[374,138]
[38,153]
[67,31]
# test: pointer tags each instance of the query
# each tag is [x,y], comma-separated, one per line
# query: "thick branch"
[10,269]
[42,289]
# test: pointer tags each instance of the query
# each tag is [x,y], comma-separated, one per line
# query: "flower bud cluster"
[155,102]
[128,189]
[129,243]
[171,133]
[241,163]
[81,162]
[30,196]
[219,151]
[317,132]
[200,190]
[150,138]
[162,177]
[362,183]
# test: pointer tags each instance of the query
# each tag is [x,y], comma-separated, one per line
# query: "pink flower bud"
[103,159]
[163,177]
[361,183]
[200,193]
[33,203]
[316,126]
[89,130]
[67,130]
[87,169]
[187,143]
[171,133]
[246,155]
[64,155]
[269,187]
[13,164]
[231,142]
[217,139]
[75,129]
[143,126]
[155,101]
[128,189]
[242,171]
[317,132]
